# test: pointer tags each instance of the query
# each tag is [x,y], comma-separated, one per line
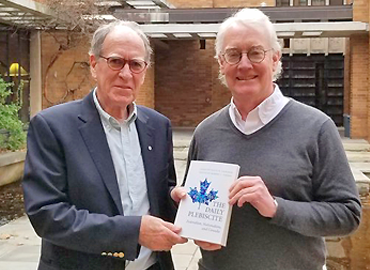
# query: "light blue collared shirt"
[125,149]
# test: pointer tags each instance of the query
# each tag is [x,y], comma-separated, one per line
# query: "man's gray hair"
[250,18]
[101,33]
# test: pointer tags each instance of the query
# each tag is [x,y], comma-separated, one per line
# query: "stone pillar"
[35,73]
[347,73]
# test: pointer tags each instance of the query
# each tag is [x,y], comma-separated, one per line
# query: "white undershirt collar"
[261,115]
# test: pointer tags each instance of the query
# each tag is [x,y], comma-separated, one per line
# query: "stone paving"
[20,246]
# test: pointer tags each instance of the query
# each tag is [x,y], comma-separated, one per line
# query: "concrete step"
[362,181]
[180,154]
[181,143]
[356,145]
[358,157]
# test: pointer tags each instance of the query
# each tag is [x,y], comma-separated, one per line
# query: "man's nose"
[125,71]
[244,61]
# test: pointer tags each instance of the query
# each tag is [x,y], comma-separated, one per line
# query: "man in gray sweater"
[295,184]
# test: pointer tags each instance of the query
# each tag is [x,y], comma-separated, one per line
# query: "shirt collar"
[265,111]
[109,121]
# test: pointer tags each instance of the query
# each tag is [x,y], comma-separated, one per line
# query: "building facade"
[326,67]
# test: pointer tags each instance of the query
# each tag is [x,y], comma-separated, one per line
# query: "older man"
[98,171]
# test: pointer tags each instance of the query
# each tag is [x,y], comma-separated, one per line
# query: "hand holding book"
[252,189]
[207,246]
[177,194]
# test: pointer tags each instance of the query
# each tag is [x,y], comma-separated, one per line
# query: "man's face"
[117,89]
[247,80]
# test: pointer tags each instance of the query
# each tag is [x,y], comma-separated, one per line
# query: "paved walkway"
[19,245]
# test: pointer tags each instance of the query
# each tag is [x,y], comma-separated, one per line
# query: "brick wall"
[66,72]
[192,3]
[186,85]
[359,72]
[361,10]
[359,86]
[146,94]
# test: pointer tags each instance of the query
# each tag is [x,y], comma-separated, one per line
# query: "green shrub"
[12,135]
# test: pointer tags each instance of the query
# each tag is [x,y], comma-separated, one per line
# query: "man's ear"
[221,63]
[275,60]
[93,62]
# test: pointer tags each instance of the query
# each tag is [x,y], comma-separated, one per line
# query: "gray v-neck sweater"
[300,157]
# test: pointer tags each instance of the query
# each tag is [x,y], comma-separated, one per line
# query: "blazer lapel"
[146,137]
[93,134]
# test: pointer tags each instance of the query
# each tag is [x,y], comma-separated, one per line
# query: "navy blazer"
[71,192]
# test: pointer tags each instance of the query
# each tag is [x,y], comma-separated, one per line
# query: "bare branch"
[76,15]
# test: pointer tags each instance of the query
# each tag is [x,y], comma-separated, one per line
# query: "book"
[205,213]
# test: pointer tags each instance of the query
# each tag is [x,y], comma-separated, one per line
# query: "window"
[318,2]
[282,3]
[202,44]
[336,2]
[300,2]
[286,43]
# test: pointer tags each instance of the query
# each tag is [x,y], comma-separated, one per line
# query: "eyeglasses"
[255,55]
[116,63]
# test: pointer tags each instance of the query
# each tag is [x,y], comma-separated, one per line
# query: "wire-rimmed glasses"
[255,54]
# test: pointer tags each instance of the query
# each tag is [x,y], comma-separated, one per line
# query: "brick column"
[359,72]
[359,86]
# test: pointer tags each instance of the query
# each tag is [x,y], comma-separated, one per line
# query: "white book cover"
[205,213]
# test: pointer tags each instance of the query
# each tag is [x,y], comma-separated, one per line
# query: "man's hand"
[253,190]
[207,246]
[159,235]
[178,193]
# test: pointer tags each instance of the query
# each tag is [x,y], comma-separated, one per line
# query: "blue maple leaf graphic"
[202,196]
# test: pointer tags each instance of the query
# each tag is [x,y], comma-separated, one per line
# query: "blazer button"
[121,255]
[115,254]
[109,254]
[104,253]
